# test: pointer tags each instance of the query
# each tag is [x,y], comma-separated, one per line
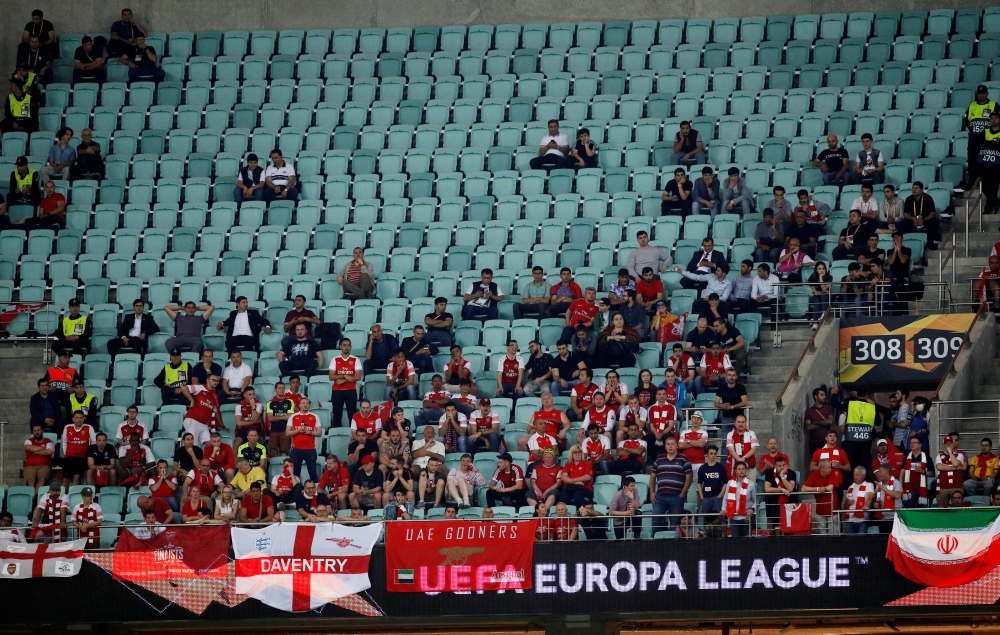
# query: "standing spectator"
[779,483]
[235,379]
[37,59]
[76,440]
[439,323]
[566,368]
[581,312]
[400,378]
[625,506]
[188,327]
[689,149]
[481,298]
[740,496]
[379,350]
[89,164]
[562,294]
[711,369]
[668,485]
[534,296]
[345,373]
[982,470]
[712,478]
[673,384]
[73,331]
[539,370]
[584,155]
[676,198]
[48,520]
[836,456]
[302,355]
[920,215]
[706,194]
[768,239]
[141,62]
[742,446]
[58,380]
[857,501]
[870,165]
[887,494]
[280,179]
[172,378]
[898,259]
[692,443]
[647,256]
[507,485]
[736,194]
[951,466]
[823,482]
[358,276]
[20,113]
[303,428]
[833,163]
[819,300]
[552,150]
[123,34]
[38,453]
[730,399]
[88,64]
[818,420]
[134,331]
[249,182]
[41,29]
[915,475]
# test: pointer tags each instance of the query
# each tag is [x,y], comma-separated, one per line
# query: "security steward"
[989,164]
[172,379]
[73,332]
[859,432]
[20,112]
[80,399]
[977,119]
[25,188]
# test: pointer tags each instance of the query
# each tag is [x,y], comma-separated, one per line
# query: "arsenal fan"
[395,446]
[277,413]
[395,419]
[950,465]
[580,312]
[662,423]
[540,441]
[186,458]
[888,491]
[452,427]
[741,445]
[615,391]
[823,482]
[205,478]
[464,482]
[779,484]
[544,532]
[221,457]
[8,534]
[507,486]
[249,416]
[256,507]
[740,501]
[295,390]
[597,449]
[563,524]
[163,486]
[194,503]
[336,482]
[101,464]
[888,456]
[484,428]
[982,470]
[989,284]
[203,415]
[857,501]
[768,460]
[431,485]
[38,453]
[361,447]
[399,509]
[129,425]
[692,443]
[303,428]
[87,518]
[645,389]
[581,398]
[601,415]
[133,461]
[683,363]
[510,373]
[368,420]
[711,369]
[158,507]
[283,485]
[49,522]
[544,479]
[676,390]
[456,369]
[631,453]
[76,439]
[577,479]
[466,395]
[400,378]
[434,402]
[631,411]
[345,373]
[557,424]
[837,457]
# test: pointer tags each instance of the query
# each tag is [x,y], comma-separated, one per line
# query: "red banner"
[457,555]
[175,552]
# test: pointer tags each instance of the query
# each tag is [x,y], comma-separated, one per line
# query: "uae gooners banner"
[301,566]
[945,547]
[177,552]
[59,560]
[459,556]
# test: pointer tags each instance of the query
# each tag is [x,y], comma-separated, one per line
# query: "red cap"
[368,459]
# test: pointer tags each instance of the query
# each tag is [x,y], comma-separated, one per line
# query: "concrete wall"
[974,362]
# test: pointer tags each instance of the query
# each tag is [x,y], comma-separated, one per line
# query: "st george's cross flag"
[945,547]
[59,560]
[301,566]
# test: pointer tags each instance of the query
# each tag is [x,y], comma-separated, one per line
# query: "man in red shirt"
[38,452]
[221,457]
[345,373]
[456,369]
[581,398]
[164,485]
[303,428]
[204,414]
[631,453]
[692,443]
[158,506]
[76,439]
[544,479]
[400,378]
[562,294]
[257,506]
[683,365]
[434,402]
[767,461]
[837,457]
[204,478]
[484,428]
[507,486]
[249,416]
[510,373]
[823,482]
[662,423]
[557,424]
[336,482]
[368,420]
[582,311]
[649,289]
[597,450]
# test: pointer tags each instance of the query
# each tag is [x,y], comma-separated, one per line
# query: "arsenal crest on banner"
[796,518]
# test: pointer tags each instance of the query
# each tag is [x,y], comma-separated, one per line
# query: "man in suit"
[703,262]
[243,327]
[134,331]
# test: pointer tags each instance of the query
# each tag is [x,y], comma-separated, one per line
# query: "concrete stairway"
[770,368]
[20,368]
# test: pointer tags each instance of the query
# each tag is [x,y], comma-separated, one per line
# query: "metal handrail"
[776,318]
[977,206]
[43,334]
[993,430]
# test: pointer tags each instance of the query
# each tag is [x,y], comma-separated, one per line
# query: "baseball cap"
[506,457]
[659,304]
[368,459]
[175,351]
[55,485]
[86,491]
[697,413]
[394,411]
[485,401]
[64,354]
[982,89]
[881,442]
[73,302]
[21,161]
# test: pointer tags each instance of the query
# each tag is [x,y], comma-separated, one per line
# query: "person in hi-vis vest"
[859,429]
[20,111]
[73,332]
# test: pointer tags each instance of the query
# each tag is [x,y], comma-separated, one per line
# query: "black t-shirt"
[878,254]
[712,478]
[301,502]
[41,30]
[901,269]
[83,56]
[34,61]
[371,446]
[141,58]
[804,234]
[699,340]
[834,159]
[404,428]
[771,477]
[398,487]
[201,374]
[582,151]
[411,347]
[728,338]
[368,481]
[731,396]
[859,235]
[675,190]
[538,366]
[183,459]
[302,349]
[566,367]
[443,316]
[101,457]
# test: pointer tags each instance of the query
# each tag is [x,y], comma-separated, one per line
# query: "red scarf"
[886,503]
[914,480]
[53,517]
[736,505]
[860,493]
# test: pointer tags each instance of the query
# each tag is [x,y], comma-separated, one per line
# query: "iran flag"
[945,547]
[302,566]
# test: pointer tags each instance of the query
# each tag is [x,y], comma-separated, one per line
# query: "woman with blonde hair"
[578,479]
[227,508]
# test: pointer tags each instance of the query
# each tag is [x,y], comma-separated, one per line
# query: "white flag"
[59,560]
[302,566]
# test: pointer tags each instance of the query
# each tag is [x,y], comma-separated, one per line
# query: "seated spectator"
[439,323]
[600,414]
[731,341]
[950,465]
[676,376]
[854,289]
[566,368]
[452,429]
[617,345]
[73,331]
[819,301]
[779,483]
[534,297]
[805,232]
[712,369]
[736,194]
[172,378]
[920,215]
[898,259]
[763,293]
[510,373]
[46,409]
[280,179]
[284,484]
[982,471]
[37,59]
[581,399]
[562,294]
[833,163]
[867,206]
[249,182]
[123,34]
[705,194]
[358,276]
[188,327]
[634,313]
[539,370]
[617,295]
[156,512]
[299,314]
[484,428]
[689,149]
[141,61]
[631,452]
[576,486]
[958,500]
[336,482]
[88,64]
[245,476]
[393,453]
[836,456]
[419,351]
[51,211]
[740,496]
[205,479]
[741,441]
[83,402]
[249,416]
[400,508]
[584,155]
[221,457]
[87,517]
[507,486]
[625,506]
[890,210]
[361,447]
[134,331]
[400,378]
[854,237]
[257,506]
[792,261]
[858,500]
[711,478]
[89,164]
[39,28]
[300,356]
[816,211]
[676,197]
[431,485]
[379,350]
[553,150]
[23,191]
[38,453]
[544,479]
[20,112]
[481,298]
[426,448]
[456,370]
[645,255]
[871,253]
[615,390]
[581,312]
[235,379]
[648,289]
[768,238]
[870,165]
[741,299]
[698,341]
[701,263]
[313,505]
[782,208]
[243,327]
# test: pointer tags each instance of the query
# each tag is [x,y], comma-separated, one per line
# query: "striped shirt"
[671,474]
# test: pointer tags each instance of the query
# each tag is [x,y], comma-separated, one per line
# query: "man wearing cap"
[366,485]
[172,378]
[87,518]
[134,331]
[692,443]
[21,110]
[82,401]
[951,465]
[48,523]
[73,332]
[977,119]
[249,182]
[188,327]
[88,64]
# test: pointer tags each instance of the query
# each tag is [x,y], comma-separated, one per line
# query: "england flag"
[300,566]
